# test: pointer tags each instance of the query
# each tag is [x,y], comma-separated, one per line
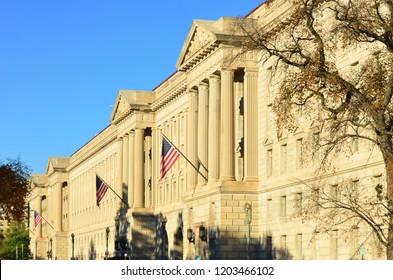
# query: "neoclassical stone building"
[216,110]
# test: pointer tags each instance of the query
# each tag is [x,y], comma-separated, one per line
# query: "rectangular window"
[270,118]
[316,199]
[355,189]
[334,245]
[269,210]
[283,242]
[269,164]
[299,153]
[269,247]
[283,247]
[269,78]
[378,180]
[284,159]
[299,202]
[355,70]
[283,206]
[355,144]
[334,193]
[378,186]
[299,246]
[355,242]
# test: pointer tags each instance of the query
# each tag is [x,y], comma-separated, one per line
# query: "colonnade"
[211,126]
[130,174]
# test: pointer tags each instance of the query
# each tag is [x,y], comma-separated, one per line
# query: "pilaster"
[203,107]
[125,171]
[251,125]
[131,167]
[138,175]
[227,152]
[192,126]
[214,128]
[119,165]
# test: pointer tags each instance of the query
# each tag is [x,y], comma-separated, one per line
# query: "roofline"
[170,76]
[90,140]
[256,8]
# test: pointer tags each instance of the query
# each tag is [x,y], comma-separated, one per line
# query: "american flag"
[101,188]
[37,219]
[169,155]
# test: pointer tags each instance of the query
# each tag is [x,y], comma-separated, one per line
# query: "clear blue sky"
[63,61]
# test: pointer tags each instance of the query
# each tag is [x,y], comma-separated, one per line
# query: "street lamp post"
[163,241]
[248,210]
[16,251]
[107,237]
[73,243]
[49,253]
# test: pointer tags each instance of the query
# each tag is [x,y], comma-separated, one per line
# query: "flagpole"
[184,156]
[113,191]
[204,167]
[45,220]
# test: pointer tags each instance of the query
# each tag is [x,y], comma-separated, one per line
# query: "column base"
[227,178]
[251,179]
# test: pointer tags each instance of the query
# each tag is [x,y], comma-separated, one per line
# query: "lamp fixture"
[203,233]
[190,235]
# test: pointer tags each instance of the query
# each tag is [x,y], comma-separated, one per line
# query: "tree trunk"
[389,193]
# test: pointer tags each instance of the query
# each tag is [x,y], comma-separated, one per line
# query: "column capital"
[203,85]
[227,71]
[214,78]
[192,92]
[251,71]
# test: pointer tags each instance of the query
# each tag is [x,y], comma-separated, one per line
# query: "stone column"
[119,166]
[138,171]
[214,128]
[156,154]
[147,175]
[251,125]
[192,125]
[131,168]
[203,111]
[227,152]
[57,204]
[239,131]
[124,185]
[39,210]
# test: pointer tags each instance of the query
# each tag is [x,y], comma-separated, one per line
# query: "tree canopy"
[15,245]
[345,102]
[14,185]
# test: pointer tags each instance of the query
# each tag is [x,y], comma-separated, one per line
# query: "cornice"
[92,147]
[198,57]
[169,96]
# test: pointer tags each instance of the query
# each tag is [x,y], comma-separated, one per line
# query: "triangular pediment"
[206,35]
[200,36]
[120,108]
[130,100]
[57,164]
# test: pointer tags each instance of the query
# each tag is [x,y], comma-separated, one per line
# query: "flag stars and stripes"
[169,155]
[101,189]
[37,219]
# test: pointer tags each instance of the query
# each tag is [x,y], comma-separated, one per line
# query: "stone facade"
[215,110]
